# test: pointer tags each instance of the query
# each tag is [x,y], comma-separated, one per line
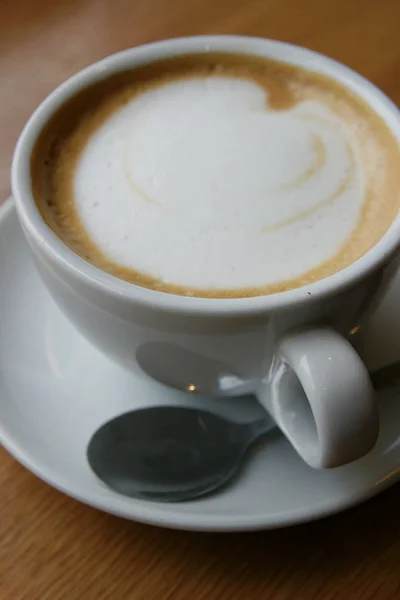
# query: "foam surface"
[198,183]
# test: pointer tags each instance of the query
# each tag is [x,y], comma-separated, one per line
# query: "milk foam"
[198,183]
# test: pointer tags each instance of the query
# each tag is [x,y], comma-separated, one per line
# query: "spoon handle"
[249,432]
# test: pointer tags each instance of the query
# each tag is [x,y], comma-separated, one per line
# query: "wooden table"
[53,548]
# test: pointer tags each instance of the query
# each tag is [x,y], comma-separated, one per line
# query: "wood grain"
[51,547]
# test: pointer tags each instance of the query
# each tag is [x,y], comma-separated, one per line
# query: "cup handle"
[320,395]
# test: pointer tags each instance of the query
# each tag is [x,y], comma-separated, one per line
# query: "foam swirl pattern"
[218,176]
[199,183]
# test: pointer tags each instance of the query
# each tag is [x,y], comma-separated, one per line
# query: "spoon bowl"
[170,453]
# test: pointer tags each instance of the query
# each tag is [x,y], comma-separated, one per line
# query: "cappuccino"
[217,175]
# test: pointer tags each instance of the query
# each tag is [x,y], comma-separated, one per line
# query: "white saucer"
[55,391]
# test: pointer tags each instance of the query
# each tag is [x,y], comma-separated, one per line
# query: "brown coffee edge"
[63,140]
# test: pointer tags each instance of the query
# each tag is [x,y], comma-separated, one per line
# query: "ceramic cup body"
[289,348]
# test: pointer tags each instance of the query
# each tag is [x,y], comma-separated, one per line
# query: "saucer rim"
[151,513]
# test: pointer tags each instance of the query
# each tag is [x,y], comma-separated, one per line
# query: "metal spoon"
[170,453]
[175,453]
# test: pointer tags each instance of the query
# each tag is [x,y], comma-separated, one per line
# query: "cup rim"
[40,233]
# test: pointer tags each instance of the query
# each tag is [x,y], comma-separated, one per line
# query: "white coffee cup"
[290,348]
